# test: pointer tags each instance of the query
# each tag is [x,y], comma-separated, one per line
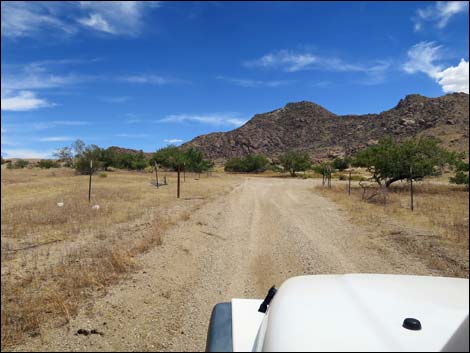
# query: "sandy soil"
[238,245]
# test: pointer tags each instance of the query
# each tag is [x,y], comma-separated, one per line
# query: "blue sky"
[143,75]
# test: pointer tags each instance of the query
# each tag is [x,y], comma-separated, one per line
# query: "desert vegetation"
[249,164]
[58,249]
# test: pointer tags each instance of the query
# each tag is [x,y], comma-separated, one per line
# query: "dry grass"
[436,231]
[54,258]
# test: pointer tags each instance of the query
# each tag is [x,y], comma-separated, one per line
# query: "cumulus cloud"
[439,13]
[23,101]
[423,56]
[454,78]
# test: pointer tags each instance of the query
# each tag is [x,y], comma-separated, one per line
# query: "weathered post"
[329,177]
[349,186]
[156,173]
[178,186]
[411,188]
[89,183]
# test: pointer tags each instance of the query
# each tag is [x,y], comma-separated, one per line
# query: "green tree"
[170,157]
[82,161]
[108,159]
[390,161]
[295,161]
[65,155]
[195,161]
[341,163]
[139,161]
[249,164]
[78,147]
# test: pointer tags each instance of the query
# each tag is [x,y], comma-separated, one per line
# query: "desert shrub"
[249,164]
[341,163]
[461,175]
[295,161]
[20,164]
[47,164]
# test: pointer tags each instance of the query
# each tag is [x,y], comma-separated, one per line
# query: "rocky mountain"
[309,127]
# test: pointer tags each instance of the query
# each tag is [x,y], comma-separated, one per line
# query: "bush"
[47,163]
[249,164]
[341,163]
[20,164]
[294,161]
[103,175]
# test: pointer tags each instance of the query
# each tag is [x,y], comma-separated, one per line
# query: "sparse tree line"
[388,161]
[79,155]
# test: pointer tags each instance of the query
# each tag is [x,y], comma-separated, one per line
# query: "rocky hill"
[309,127]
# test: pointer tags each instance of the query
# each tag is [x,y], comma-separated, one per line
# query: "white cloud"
[151,79]
[209,119]
[26,153]
[440,13]
[287,60]
[455,78]
[173,141]
[253,83]
[29,19]
[55,139]
[148,79]
[23,101]
[422,57]
[97,22]
[26,18]
[132,135]
[115,17]
[291,61]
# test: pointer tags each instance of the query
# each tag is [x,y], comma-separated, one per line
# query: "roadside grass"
[55,257]
[437,231]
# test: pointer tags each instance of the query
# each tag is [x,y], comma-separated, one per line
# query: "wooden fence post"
[329,178]
[89,183]
[156,173]
[178,186]
[349,186]
[411,188]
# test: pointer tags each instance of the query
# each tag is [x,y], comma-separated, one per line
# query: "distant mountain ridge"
[309,127]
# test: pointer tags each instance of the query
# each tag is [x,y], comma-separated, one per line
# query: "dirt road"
[238,245]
